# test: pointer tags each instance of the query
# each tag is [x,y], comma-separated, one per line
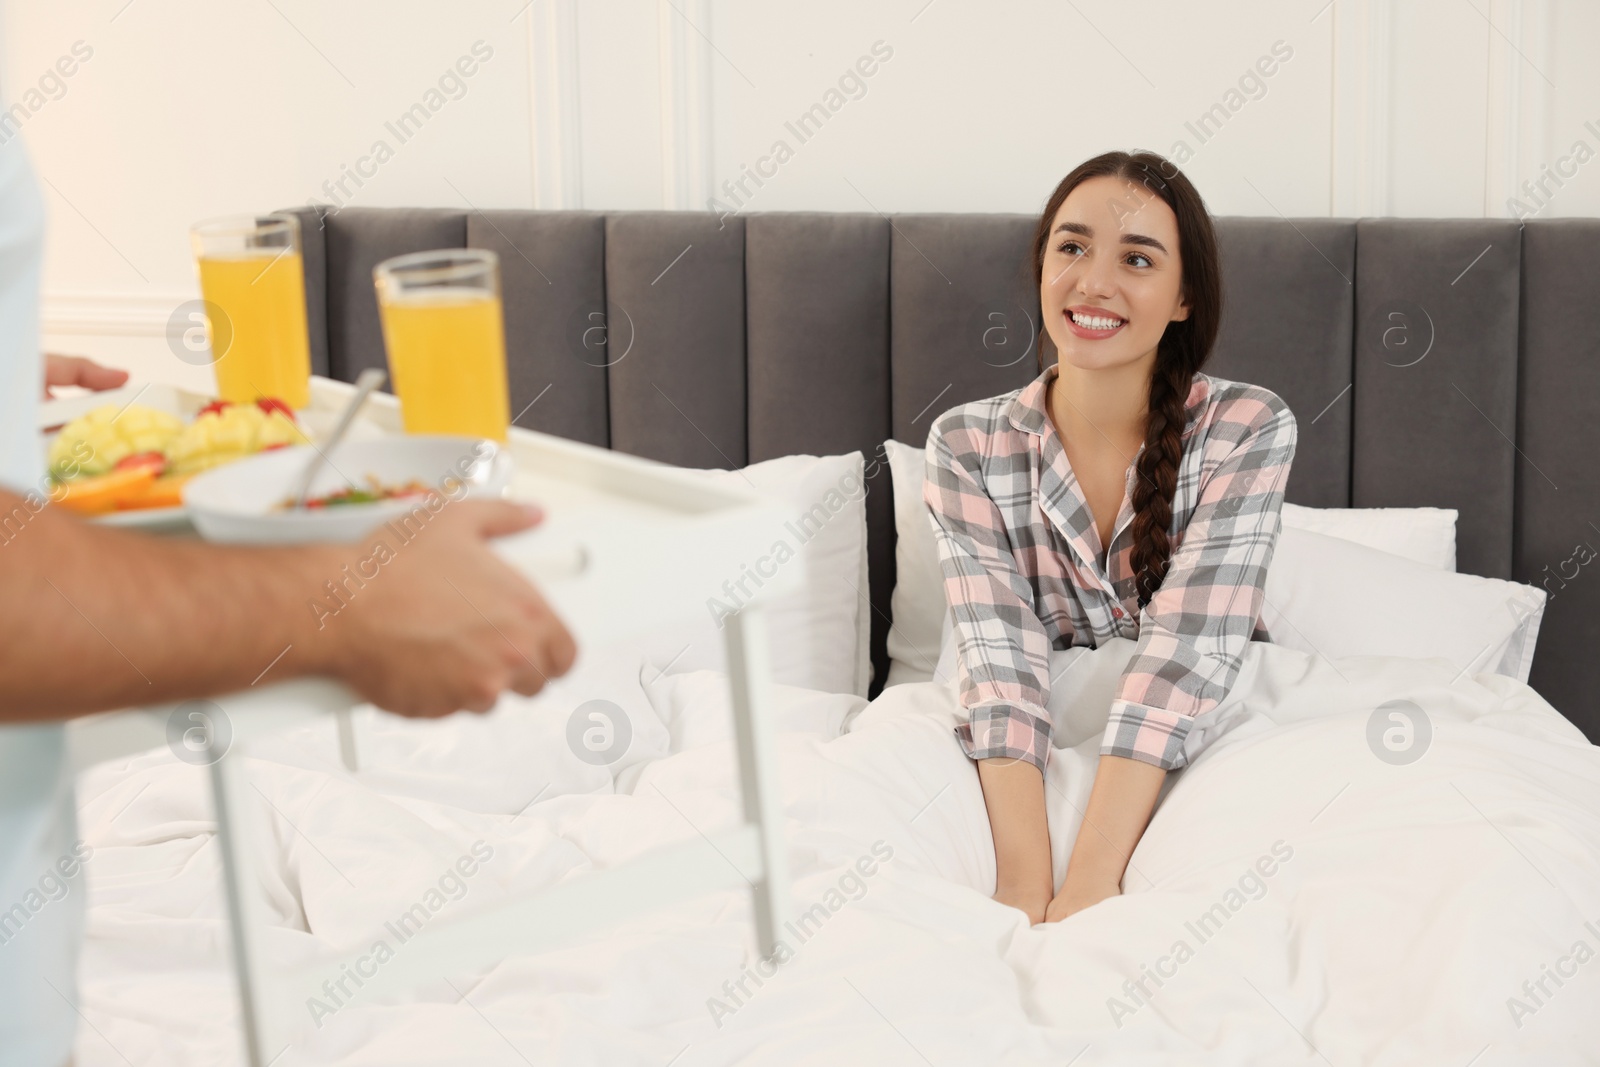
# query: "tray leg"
[347,738]
[235,837]
[749,677]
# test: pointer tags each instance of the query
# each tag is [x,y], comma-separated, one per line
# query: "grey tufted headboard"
[1445,362]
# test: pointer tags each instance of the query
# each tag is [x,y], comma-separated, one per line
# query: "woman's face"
[1112,258]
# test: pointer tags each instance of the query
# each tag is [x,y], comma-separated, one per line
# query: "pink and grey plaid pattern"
[1019,551]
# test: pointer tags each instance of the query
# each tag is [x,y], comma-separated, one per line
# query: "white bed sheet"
[1414,903]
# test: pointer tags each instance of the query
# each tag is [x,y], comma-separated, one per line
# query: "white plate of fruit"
[123,457]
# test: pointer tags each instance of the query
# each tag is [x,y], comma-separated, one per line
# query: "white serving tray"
[626,545]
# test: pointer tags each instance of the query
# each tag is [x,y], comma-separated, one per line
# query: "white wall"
[188,109]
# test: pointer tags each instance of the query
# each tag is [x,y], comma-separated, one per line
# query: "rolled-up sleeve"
[1194,629]
[1004,653]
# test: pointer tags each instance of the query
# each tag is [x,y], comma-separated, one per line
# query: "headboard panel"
[1288,294]
[817,294]
[1401,345]
[1556,518]
[963,320]
[553,280]
[1436,406]
[675,299]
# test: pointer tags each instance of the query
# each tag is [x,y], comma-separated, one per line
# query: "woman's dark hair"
[1181,352]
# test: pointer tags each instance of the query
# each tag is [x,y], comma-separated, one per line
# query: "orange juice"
[264,298]
[447,356]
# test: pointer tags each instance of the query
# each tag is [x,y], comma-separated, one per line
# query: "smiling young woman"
[1107,312]
[1123,493]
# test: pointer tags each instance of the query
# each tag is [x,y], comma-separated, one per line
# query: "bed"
[1299,896]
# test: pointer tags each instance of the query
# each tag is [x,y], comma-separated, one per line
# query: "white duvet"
[1301,895]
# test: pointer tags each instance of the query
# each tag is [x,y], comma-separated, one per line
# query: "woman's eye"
[1145,260]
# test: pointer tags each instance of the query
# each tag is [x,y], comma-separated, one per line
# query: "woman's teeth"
[1090,322]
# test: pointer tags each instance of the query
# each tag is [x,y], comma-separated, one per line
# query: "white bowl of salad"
[397,484]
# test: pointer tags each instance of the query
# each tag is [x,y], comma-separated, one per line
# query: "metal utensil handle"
[366,382]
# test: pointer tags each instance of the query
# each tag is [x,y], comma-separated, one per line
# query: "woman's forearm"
[1120,804]
[1013,792]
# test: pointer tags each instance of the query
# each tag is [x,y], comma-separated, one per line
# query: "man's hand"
[100,619]
[446,624]
[62,370]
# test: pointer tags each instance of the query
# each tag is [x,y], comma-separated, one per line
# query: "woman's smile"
[1092,323]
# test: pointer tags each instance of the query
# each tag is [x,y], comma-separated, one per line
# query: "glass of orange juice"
[445,335]
[253,282]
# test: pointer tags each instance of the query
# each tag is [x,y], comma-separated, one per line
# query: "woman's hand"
[1013,791]
[1032,899]
[1077,894]
[1120,805]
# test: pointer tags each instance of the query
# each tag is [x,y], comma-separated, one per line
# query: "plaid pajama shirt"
[1019,552]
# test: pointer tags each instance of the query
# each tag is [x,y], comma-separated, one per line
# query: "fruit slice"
[99,494]
[269,404]
[164,492]
[155,460]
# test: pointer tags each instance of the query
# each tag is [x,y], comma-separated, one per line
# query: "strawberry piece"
[269,404]
[154,460]
[214,408]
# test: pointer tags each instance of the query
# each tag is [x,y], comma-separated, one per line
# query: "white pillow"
[1321,595]
[820,633]
[1427,535]
[920,617]
[945,670]
[917,609]
[1332,597]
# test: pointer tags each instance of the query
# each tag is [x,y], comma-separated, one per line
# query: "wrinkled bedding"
[1307,891]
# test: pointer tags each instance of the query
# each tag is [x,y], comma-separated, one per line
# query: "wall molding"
[1363,99]
[1517,104]
[555,114]
[108,314]
[686,104]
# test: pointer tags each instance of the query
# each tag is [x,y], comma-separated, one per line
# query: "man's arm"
[95,618]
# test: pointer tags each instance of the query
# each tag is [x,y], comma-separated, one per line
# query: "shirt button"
[1116,612]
